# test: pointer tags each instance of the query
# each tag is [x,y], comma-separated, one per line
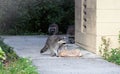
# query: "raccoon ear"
[60,39]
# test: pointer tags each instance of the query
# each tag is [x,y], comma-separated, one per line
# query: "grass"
[20,66]
[110,54]
[11,55]
[114,56]
[14,64]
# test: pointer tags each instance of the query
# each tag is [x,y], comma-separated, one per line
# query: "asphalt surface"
[89,63]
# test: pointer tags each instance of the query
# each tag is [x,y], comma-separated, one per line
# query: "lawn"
[10,63]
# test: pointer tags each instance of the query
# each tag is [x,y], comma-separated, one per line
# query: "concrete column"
[85,21]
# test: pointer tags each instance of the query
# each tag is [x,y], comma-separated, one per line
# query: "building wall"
[85,21]
[108,21]
[95,19]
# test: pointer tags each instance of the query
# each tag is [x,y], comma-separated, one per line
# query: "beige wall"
[108,21]
[95,19]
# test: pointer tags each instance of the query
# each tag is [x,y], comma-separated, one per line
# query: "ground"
[89,63]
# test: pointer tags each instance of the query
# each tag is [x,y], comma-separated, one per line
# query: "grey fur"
[53,43]
[53,29]
[71,34]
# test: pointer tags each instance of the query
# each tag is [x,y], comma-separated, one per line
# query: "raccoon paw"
[53,54]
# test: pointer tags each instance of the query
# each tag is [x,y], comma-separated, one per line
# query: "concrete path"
[29,46]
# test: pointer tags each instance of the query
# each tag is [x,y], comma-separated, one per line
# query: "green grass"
[110,54]
[114,56]
[11,55]
[20,66]
[14,64]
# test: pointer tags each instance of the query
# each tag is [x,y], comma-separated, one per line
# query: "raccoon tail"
[45,48]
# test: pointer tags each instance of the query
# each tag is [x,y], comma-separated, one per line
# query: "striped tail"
[45,48]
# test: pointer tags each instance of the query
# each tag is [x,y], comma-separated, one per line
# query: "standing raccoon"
[53,43]
[71,34]
[53,29]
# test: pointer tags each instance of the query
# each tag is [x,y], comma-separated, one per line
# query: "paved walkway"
[29,46]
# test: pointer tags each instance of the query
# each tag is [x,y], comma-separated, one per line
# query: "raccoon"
[71,34]
[53,29]
[53,43]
